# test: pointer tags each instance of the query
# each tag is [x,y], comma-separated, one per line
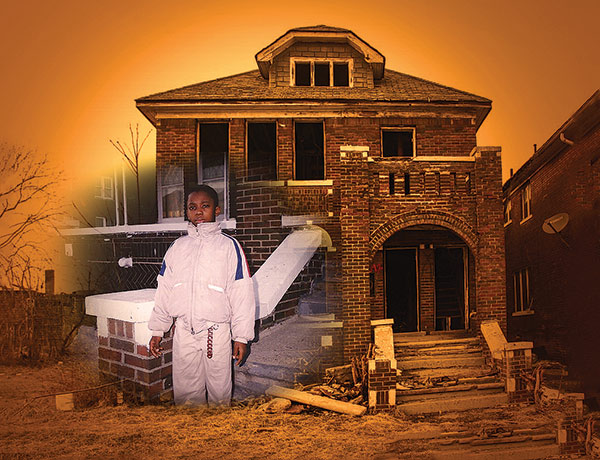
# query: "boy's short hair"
[206,189]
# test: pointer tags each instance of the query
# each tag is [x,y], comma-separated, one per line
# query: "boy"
[204,283]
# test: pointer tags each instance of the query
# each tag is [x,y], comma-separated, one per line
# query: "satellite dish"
[555,223]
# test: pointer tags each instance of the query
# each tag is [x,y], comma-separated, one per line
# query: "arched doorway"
[425,280]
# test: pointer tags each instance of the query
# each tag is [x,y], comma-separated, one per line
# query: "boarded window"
[262,151]
[212,159]
[397,143]
[302,73]
[309,142]
[341,75]
[321,73]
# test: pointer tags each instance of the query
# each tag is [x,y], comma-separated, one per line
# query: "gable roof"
[264,58]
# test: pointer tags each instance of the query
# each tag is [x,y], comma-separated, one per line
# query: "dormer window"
[320,72]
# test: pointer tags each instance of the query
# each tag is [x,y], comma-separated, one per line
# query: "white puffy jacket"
[204,279]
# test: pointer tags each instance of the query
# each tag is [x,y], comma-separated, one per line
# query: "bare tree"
[29,210]
[131,155]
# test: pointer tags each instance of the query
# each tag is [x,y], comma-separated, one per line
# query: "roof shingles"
[250,86]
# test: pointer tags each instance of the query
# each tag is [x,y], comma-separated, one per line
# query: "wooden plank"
[314,400]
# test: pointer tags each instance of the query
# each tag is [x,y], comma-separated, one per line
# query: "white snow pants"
[194,374]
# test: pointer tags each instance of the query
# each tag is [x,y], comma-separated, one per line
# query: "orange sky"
[71,69]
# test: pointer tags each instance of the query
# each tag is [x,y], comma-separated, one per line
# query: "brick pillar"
[426,289]
[569,441]
[382,370]
[146,379]
[490,263]
[123,337]
[518,360]
[354,223]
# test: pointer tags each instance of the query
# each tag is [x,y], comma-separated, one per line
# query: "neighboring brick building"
[385,162]
[553,278]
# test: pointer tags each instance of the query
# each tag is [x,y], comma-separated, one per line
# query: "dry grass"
[239,432]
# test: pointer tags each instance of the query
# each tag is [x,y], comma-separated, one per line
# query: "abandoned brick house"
[552,228]
[385,163]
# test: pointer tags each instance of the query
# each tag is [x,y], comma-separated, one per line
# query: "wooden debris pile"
[344,389]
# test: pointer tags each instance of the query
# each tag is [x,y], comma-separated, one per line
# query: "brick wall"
[563,277]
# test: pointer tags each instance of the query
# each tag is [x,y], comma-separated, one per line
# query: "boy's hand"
[239,351]
[155,348]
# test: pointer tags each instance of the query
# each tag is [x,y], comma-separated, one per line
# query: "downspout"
[565,140]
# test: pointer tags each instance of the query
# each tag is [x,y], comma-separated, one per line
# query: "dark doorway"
[401,288]
[449,289]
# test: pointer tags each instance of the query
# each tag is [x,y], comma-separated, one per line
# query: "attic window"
[321,72]
[398,142]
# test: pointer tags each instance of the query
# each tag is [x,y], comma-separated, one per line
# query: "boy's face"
[201,208]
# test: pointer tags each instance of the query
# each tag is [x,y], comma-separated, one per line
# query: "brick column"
[490,269]
[123,336]
[518,360]
[426,289]
[383,369]
[354,223]
[569,440]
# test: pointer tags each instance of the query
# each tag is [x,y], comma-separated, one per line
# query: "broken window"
[170,192]
[341,75]
[526,202]
[309,150]
[397,142]
[302,73]
[321,73]
[523,300]
[212,160]
[262,151]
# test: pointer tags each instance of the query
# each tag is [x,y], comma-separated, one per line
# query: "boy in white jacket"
[205,284]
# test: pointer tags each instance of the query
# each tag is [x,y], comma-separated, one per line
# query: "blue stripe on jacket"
[239,271]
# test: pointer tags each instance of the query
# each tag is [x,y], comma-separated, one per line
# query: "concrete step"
[450,372]
[436,351]
[431,341]
[439,362]
[455,403]
[420,394]
[434,337]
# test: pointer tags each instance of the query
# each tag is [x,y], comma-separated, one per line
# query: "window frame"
[101,188]
[102,219]
[507,212]
[160,174]
[411,129]
[295,152]
[522,300]
[526,202]
[312,61]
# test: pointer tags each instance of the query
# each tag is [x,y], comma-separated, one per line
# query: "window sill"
[529,217]
[466,158]
[310,183]
[506,224]
[523,313]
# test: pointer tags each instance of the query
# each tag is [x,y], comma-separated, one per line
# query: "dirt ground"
[34,428]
